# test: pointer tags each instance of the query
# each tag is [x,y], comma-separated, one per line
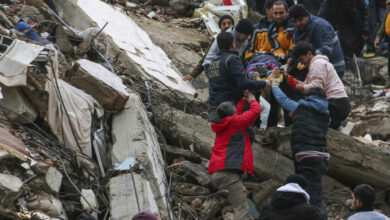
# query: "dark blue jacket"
[324,39]
[25,28]
[228,80]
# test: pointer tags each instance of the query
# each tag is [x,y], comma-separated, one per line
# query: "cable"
[135,190]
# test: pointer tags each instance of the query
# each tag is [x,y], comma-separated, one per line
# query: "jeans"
[237,192]
[313,169]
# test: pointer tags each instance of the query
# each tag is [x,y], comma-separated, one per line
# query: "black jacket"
[227,79]
[288,206]
[346,13]
[310,126]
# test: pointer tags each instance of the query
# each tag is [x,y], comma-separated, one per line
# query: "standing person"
[363,198]
[308,139]
[376,15]
[232,153]
[313,6]
[290,202]
[225,22]
[259,41]
[350,19]
[320,34]
[384,34]
[280,36]
[241,33]
[227,76]
[322,74]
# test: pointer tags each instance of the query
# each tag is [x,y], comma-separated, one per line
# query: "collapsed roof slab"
[128,36]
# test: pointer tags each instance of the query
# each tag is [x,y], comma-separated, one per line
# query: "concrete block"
[53,179]
[10,188]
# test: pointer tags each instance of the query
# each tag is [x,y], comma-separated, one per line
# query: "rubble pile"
[94,117]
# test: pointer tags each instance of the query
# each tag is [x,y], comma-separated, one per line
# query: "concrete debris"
[373,71]
[47,204]
[263,193]
[53,179]
[106,87]
[172,152]
[188,189]
[91,198]
[18,106]
[10,187]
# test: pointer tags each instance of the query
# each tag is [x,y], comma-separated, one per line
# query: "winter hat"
[144,216]
[297,178]
[298,11]
[245,26]
[223,17]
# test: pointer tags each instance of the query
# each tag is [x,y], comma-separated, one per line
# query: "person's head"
[316,91]
[268,8]
[279,11]
[225,22]
[298,179]
[144,216]
[225,41]
[300,16]
[303,52]
[363,196]
[244,30]
[225,109]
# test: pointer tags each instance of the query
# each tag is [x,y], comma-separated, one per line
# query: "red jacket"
[232,148]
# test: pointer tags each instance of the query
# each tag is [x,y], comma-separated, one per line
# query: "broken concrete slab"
[378,128]
[48,204]
[188,189]
[140,142]
[106,87]
[373,70]
[10,187]
[123,201]
[171,152]
[53,180]
[137,50]
[89,195]
[12,145]
[18,106]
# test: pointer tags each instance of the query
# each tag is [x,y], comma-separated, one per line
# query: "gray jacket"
[214,50]
[370,215]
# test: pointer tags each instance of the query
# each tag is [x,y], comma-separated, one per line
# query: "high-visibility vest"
[387,25]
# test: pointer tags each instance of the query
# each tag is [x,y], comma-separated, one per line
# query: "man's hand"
[275,73]
[291,80]
[377,42]
[188,78]
[250,97]
[275,82]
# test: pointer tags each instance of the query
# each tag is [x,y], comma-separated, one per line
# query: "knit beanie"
[144,216]
[298,11]
[245,26]
[297,178]
[223,17]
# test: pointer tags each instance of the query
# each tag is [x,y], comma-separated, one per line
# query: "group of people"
[310,92]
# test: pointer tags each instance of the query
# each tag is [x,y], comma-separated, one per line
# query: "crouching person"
[290,202]
[308,138]
[232,152]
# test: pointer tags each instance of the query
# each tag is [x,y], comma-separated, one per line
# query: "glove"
[301,66]
[291,80]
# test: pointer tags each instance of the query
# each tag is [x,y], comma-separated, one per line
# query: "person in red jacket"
[232,152]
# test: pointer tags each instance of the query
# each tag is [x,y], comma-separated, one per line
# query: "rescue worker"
[322,74]
[320,34]
[227,76]
[232,152]
[350,20]
[308,138]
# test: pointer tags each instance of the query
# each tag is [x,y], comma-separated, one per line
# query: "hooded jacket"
[310,121]
[322,36]
[322,74]
[281,37]
[232,147]
[290,202]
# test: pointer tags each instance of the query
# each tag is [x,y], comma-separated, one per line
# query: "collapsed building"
[100,121]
